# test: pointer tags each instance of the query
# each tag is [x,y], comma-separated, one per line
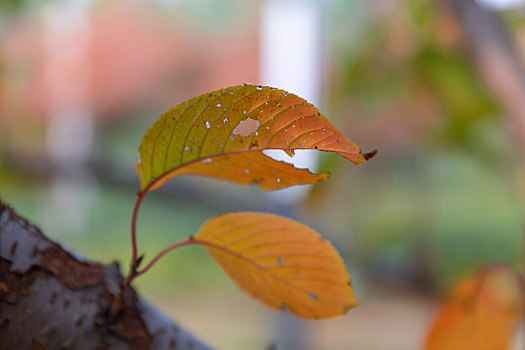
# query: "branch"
[50,299]
[497,60]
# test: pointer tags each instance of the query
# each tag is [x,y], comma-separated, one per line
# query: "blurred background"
[436,86]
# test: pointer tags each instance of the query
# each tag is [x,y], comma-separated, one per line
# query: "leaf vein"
[171,135]
[193,124]
[253,109]
[219,118]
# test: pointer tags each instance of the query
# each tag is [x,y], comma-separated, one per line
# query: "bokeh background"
[436,86]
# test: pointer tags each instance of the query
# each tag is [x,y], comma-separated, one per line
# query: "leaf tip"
[324,176]
[348,308]
[370,155]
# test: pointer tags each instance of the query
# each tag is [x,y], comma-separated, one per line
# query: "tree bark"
[494,54]
[52,299]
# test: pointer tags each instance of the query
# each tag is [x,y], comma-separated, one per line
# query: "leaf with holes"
[482,312]
[282,262]
[223,133]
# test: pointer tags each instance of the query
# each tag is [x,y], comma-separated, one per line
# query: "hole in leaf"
[246,127]
[312,296]
[280,260]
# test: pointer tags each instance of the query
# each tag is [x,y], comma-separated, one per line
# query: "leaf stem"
[134,249]
[135,260]
[119,300]
[164,251]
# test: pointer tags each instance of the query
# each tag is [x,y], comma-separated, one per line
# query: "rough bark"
[51,299]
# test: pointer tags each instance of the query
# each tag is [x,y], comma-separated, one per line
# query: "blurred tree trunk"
[495,55]
[50,299]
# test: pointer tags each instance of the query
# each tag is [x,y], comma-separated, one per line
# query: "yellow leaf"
[282,262]
[222,134]
[481,312]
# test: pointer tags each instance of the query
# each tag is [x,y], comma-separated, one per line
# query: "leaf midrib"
[253,263]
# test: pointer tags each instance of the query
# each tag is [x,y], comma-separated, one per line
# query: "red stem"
[164,251]
[119,300]
[134,249]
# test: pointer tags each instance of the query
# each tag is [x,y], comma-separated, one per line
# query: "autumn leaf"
[223,133]
[481,312]
[281,262]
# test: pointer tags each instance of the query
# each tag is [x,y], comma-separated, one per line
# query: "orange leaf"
[282,262]
[481,312]
[222,134]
